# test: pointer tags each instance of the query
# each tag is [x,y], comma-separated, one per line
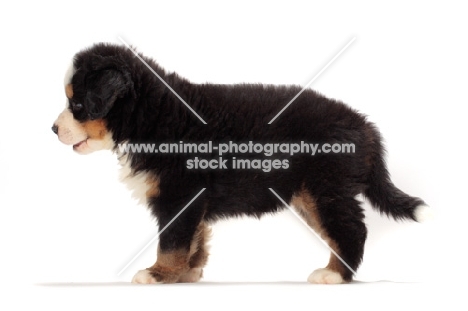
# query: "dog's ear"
[103,88]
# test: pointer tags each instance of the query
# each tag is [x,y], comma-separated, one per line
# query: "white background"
[66,220]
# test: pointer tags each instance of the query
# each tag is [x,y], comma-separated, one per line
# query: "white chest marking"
[136,183]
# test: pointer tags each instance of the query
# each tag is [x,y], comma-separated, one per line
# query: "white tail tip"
[423,213]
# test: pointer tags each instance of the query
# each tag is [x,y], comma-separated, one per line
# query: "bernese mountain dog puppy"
[116,99]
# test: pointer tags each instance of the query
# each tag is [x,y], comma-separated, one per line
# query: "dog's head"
[93,84]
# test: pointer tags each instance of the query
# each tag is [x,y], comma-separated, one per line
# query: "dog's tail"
[383,194]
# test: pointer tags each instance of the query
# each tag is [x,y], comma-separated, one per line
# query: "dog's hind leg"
[339,221]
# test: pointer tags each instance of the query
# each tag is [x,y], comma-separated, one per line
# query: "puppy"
[116,101]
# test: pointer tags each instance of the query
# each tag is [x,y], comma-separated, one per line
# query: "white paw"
[423,213]
[325,276]
[143,277]
[192,276]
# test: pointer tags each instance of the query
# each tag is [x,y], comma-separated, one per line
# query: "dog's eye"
[76,106]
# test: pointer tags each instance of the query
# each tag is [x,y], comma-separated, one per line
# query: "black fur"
[113,84]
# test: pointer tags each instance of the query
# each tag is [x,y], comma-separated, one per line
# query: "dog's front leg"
[169,266]
[178,243]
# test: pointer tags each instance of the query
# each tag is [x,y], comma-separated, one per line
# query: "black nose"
[55,129]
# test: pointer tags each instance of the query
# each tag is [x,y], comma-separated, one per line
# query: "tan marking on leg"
[306,205]
[96,129]
[192,276]
[69,90]
[170,266]
[198,255]
[175,259]
[199,248]
[183,265]
[335,264]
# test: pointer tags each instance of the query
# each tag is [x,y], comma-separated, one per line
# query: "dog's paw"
[192,276]
[325,276]
[144,277]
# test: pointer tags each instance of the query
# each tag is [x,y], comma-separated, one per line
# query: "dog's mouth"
[81,143]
